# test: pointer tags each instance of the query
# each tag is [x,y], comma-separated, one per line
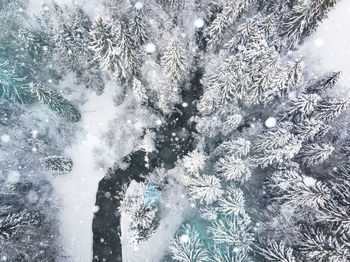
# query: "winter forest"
[174,131]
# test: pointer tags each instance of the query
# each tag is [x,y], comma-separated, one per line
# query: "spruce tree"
[127,60]
[173,62]
[303,19]
[56,102]
[138,28]
[103,44]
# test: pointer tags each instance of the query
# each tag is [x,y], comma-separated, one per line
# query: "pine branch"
[56,102]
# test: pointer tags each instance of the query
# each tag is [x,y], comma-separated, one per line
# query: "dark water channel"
[106,223]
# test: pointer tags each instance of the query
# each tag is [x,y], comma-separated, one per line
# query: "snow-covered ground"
[77,190]
[92,7]
[328,49]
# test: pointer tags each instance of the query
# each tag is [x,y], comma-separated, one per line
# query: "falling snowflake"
[34,133]
[95,209]
[184,238]
[150,48]
[199,23]
[271,122]
[318,42]
[5,138]
[13,176]
[309,181]
[32,196]
[138,5]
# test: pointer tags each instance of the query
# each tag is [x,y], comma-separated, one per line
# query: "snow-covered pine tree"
[57,164]
[69,28]
[139,91]
[205,189]
[173,62]
[274,251]
[19,235]
[12,86]
[114,49]
[55,102]
[28,222]
[324,83]
[303,19]
[188,247]
[128,64]
[11,224]
[251,72]
[229,15]
[138,28]
[309,198]
[103,45]
[142,209]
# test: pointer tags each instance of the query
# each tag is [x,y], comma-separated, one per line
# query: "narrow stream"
[106,223]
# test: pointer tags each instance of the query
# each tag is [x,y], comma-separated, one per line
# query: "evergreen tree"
[139,91]
[143,211]
[128,64]
[173,62]
[303,19]
[21,238]
[205,189]
[57,164]
[327,81]
[274,251]
[138,28]
[103,44]
[187,246]
[114,50]
[70,28]
[314,154]
[56,102]
[230,13]
[11,86]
